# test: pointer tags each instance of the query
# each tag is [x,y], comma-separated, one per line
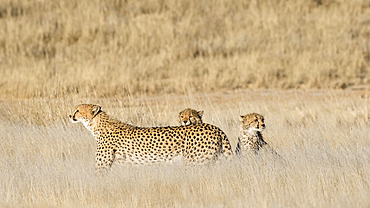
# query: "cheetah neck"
[95,124]
[251,138]
[101,122]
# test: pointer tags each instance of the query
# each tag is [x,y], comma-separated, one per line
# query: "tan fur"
[190,116]
[250,139]
[196,144]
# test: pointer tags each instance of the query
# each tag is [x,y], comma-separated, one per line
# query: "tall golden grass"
[57,47]
[144,61]
[322,136]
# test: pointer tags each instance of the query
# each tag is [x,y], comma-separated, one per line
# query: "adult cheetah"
[190,116]
[250,139]
[196,144]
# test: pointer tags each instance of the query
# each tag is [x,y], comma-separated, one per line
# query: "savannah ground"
[322,136]
[304,65]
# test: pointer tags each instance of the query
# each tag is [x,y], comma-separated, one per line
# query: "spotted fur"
[196,144]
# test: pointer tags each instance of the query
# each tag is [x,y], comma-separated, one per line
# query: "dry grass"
[58,48]
[144,61]
[323,136]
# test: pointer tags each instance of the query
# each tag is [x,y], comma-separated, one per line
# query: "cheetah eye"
[76,111]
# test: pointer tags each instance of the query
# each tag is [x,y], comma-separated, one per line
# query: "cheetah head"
[84,113]
[190,116]
[252,122]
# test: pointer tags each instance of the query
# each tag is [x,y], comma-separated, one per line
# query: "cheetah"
[196,144]
[190,116]
[250,139]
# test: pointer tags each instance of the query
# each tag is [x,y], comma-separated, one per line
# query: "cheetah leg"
[104,159]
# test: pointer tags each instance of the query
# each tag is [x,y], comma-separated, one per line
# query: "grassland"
[58,47]
[323,137]
[302,64]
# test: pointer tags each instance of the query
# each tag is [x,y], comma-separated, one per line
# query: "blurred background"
[303,64]
[56,48]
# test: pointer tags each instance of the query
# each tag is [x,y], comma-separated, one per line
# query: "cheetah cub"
[250,139]
[190,116]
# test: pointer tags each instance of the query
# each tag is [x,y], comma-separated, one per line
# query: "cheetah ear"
[241,117]
[200,113]
[96,110]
